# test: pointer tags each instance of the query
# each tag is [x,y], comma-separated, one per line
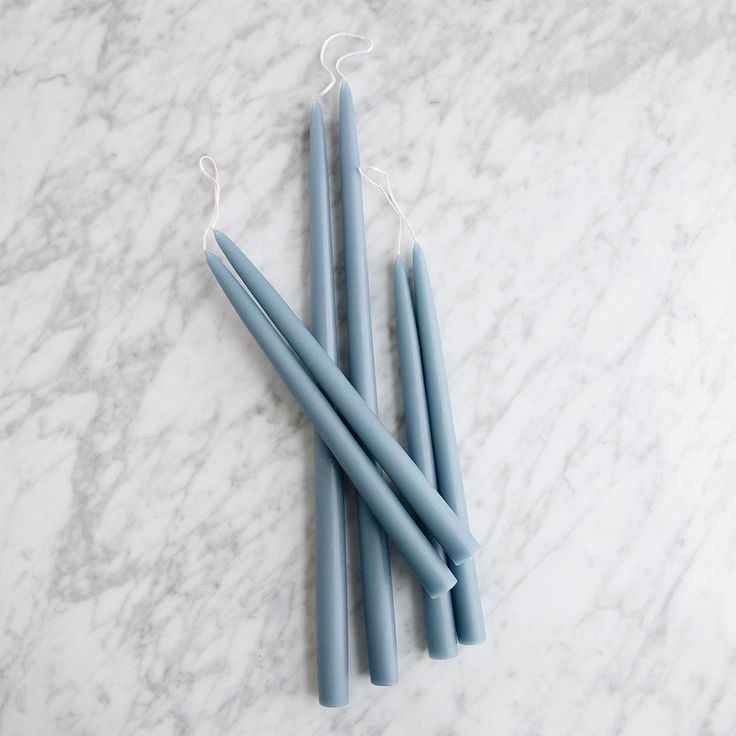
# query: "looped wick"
[328,40]
[215,179]
[391,199]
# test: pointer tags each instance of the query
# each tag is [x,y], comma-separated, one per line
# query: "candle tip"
[213,260]
[317,116]
[226,244]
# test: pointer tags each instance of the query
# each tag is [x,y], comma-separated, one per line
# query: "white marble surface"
[570,168]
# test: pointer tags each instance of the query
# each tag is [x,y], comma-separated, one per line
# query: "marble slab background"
[570,168]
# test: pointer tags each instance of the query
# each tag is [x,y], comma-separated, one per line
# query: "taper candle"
[466,594]
[329,501]
[439,622]
[375,566]
[393,517]
[438,517]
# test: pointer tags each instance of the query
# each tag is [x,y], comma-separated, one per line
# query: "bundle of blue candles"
[351,439]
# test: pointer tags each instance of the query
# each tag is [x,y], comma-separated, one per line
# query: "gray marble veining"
[570,169]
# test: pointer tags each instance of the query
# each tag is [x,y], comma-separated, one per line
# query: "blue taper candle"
[466,594]
[439,622]
[329,501]
[438,517]
[375,566]
[400,527]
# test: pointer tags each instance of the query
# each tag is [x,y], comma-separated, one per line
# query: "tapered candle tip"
[212,260]
[220,237]
[317,115]
[227,246]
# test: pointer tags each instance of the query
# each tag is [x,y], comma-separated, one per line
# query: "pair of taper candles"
[442,628]
[291,348]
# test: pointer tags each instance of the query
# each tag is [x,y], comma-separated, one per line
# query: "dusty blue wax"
[400,527]
[466,600]
[439,621]
[378,597]
[329,501]
[440,520]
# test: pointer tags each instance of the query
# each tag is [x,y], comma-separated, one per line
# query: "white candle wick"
[215,179]
[391,199]
[338,71]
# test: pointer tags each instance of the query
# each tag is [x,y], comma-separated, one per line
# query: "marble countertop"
[570,170]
